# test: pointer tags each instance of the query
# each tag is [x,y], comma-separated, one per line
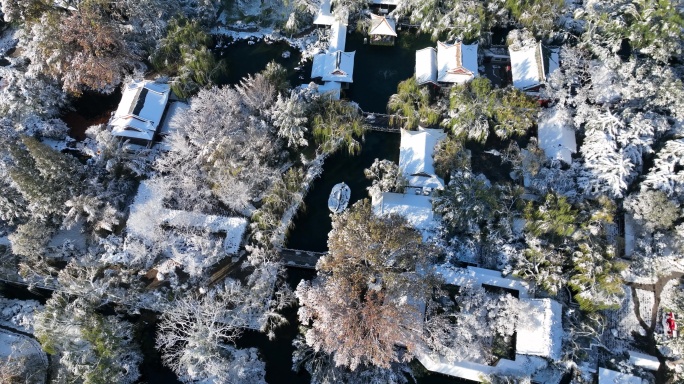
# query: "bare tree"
[367,297]
[195,336]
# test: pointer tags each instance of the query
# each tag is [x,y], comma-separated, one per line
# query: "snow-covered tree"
[464,327]
[365,298]
[652,27]
[337,123]
[539,16]
[453,19]
[468,201]
[667,175]
[226,150]
[411,106]
[183,53]
[45,178]
[451,156]
[289,116]
[83,48]
[596,277]
[476,107]
[653,209]
[90,347]
[385,176]
[28,99]
[195,337]
[541,264]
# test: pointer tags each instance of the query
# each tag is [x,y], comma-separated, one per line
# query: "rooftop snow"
[539,329]
[416,209]
[140,110]
[463,369]
[331,88]
[381,25]
[476,276]
[426,65]
[456,63]
[172,121]
[339,66]
[324,17]
[556,135]
[233,227]
[525,67]
[149,201]
[338,37]
[607,376]
[415,156]
[643,360]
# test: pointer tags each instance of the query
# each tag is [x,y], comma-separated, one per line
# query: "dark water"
[278,353]
[378,69]
[90,109]
[311,227]
[243,58]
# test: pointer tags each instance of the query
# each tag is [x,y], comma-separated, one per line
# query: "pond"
[312,225]
[90,109]
[379,69]
[246,57]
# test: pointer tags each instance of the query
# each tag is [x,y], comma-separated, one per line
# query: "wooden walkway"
[381,122]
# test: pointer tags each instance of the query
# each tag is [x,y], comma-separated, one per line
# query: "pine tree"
[46,178]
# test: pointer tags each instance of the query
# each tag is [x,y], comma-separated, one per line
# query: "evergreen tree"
[337,123]
[45,178]
[91,348]
[184,52]
[555,219]
[411,107]
[476,106]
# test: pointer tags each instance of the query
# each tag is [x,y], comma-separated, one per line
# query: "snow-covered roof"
[480,276]
[456,63]
[338,37]
[644,361]
[331,88]
[148,213]
[416,209]
[463,369]
[233,227]
[415,157]
[324,16]
[539,329]
[140,110]
[381,25]
[607,376]
[527,67]
[556,135]
[318,64]
[337,66]
[426,65]
[172,120]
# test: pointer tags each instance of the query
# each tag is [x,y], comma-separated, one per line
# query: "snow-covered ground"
[18,314]
[24,350]
[308,45]
[556,134]
[623,322]
[646,299]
